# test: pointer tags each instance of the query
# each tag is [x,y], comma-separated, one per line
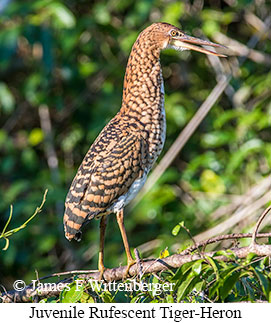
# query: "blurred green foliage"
[69,57]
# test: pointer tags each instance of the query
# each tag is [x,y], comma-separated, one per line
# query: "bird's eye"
[175,33]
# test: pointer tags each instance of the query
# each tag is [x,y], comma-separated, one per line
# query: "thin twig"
[50,152]
[6,234]
[70,272]
[255,232]
[138,263]
[222,238]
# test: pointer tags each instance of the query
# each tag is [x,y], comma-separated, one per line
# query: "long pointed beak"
[186,42]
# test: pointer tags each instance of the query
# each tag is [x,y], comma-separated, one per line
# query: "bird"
[117,164]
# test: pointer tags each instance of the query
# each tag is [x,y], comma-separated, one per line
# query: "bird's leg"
[130,260]
[101,266]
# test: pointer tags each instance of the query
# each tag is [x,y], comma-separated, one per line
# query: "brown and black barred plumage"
[118,162]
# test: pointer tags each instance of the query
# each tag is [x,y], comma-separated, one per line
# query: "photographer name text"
[102,286]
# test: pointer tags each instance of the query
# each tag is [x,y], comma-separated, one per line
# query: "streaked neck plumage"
[143,90]
[143,96]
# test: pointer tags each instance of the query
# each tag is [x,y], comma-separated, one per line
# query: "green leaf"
[86,298]
[213,263]
[169,299]
[225,253]
[73,294]
[249,290]
[249,148]
[211,182]
[250,257]
[197,266]
[177,228]
[7,101]
[186,286]
[214,289]
[217,138]
[63,16]
[107,297]
[173,11]
[226,117]
[183,270]
[264,282]
[101,13]
[35,137]
[228,283]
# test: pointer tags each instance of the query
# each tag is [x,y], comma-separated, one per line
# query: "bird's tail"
[74,218]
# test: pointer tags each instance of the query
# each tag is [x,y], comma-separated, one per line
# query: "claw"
[130,263]
[101,270]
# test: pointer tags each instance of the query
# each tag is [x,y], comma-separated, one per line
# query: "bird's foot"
[101,271]
[130,263]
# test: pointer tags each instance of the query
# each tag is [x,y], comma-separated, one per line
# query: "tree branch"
[147,266]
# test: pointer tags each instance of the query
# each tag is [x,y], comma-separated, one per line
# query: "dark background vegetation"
[61,71]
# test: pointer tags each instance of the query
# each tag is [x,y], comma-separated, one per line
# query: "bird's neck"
[143,90]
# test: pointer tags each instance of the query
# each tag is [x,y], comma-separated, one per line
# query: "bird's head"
[169,36]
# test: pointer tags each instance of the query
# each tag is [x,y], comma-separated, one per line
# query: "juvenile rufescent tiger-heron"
[117,164]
